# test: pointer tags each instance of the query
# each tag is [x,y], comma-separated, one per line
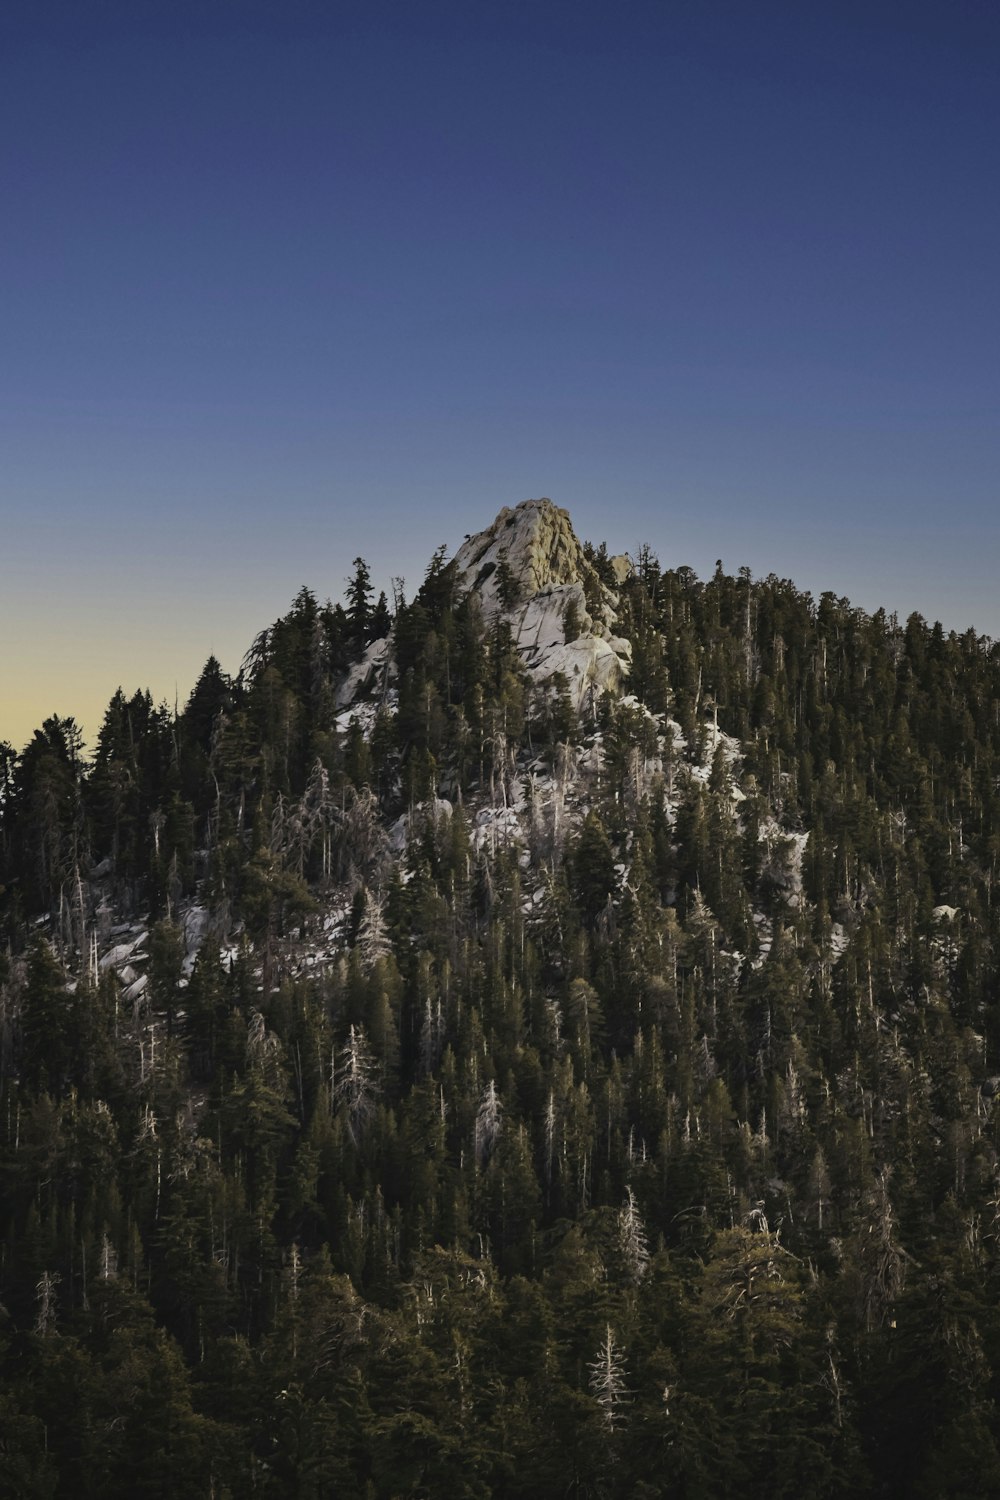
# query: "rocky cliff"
[529,567]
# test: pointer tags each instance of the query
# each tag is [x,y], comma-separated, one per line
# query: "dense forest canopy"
[410,1084]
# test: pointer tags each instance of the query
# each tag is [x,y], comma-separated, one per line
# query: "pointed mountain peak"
[527,549]
[530,568]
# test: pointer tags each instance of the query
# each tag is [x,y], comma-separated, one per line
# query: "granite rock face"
[540,546]
[530,568]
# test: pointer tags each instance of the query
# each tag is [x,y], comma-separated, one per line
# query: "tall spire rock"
[540,547]
[530,568]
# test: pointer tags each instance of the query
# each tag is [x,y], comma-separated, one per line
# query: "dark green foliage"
[508,591]
[359,609]
[43,813]
[593,864]
[638,1156]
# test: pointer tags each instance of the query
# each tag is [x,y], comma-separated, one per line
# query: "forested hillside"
[432,1066]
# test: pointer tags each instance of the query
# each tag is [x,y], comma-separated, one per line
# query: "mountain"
[540,1038]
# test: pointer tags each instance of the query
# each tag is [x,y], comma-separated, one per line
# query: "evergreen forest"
[415,1084]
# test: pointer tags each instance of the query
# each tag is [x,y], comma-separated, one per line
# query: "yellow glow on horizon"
[75,677]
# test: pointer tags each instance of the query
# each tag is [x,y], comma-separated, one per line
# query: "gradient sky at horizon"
[286,282]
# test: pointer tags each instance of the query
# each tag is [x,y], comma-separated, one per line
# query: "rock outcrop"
[540,546]
[530,568]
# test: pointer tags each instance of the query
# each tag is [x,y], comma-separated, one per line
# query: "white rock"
[136,989]
[553,579]
[438,808]
[194,923]
[116,957]
[539,543]
[372,671]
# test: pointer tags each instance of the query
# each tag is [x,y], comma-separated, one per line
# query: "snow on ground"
[714,739]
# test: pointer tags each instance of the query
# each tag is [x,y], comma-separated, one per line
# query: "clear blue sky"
[282,282]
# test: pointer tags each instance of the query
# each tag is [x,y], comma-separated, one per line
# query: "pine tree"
[359,608]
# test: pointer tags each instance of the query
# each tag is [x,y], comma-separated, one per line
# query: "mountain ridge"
[400,1030]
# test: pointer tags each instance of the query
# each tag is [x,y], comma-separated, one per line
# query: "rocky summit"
[530,569]
[537,540]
